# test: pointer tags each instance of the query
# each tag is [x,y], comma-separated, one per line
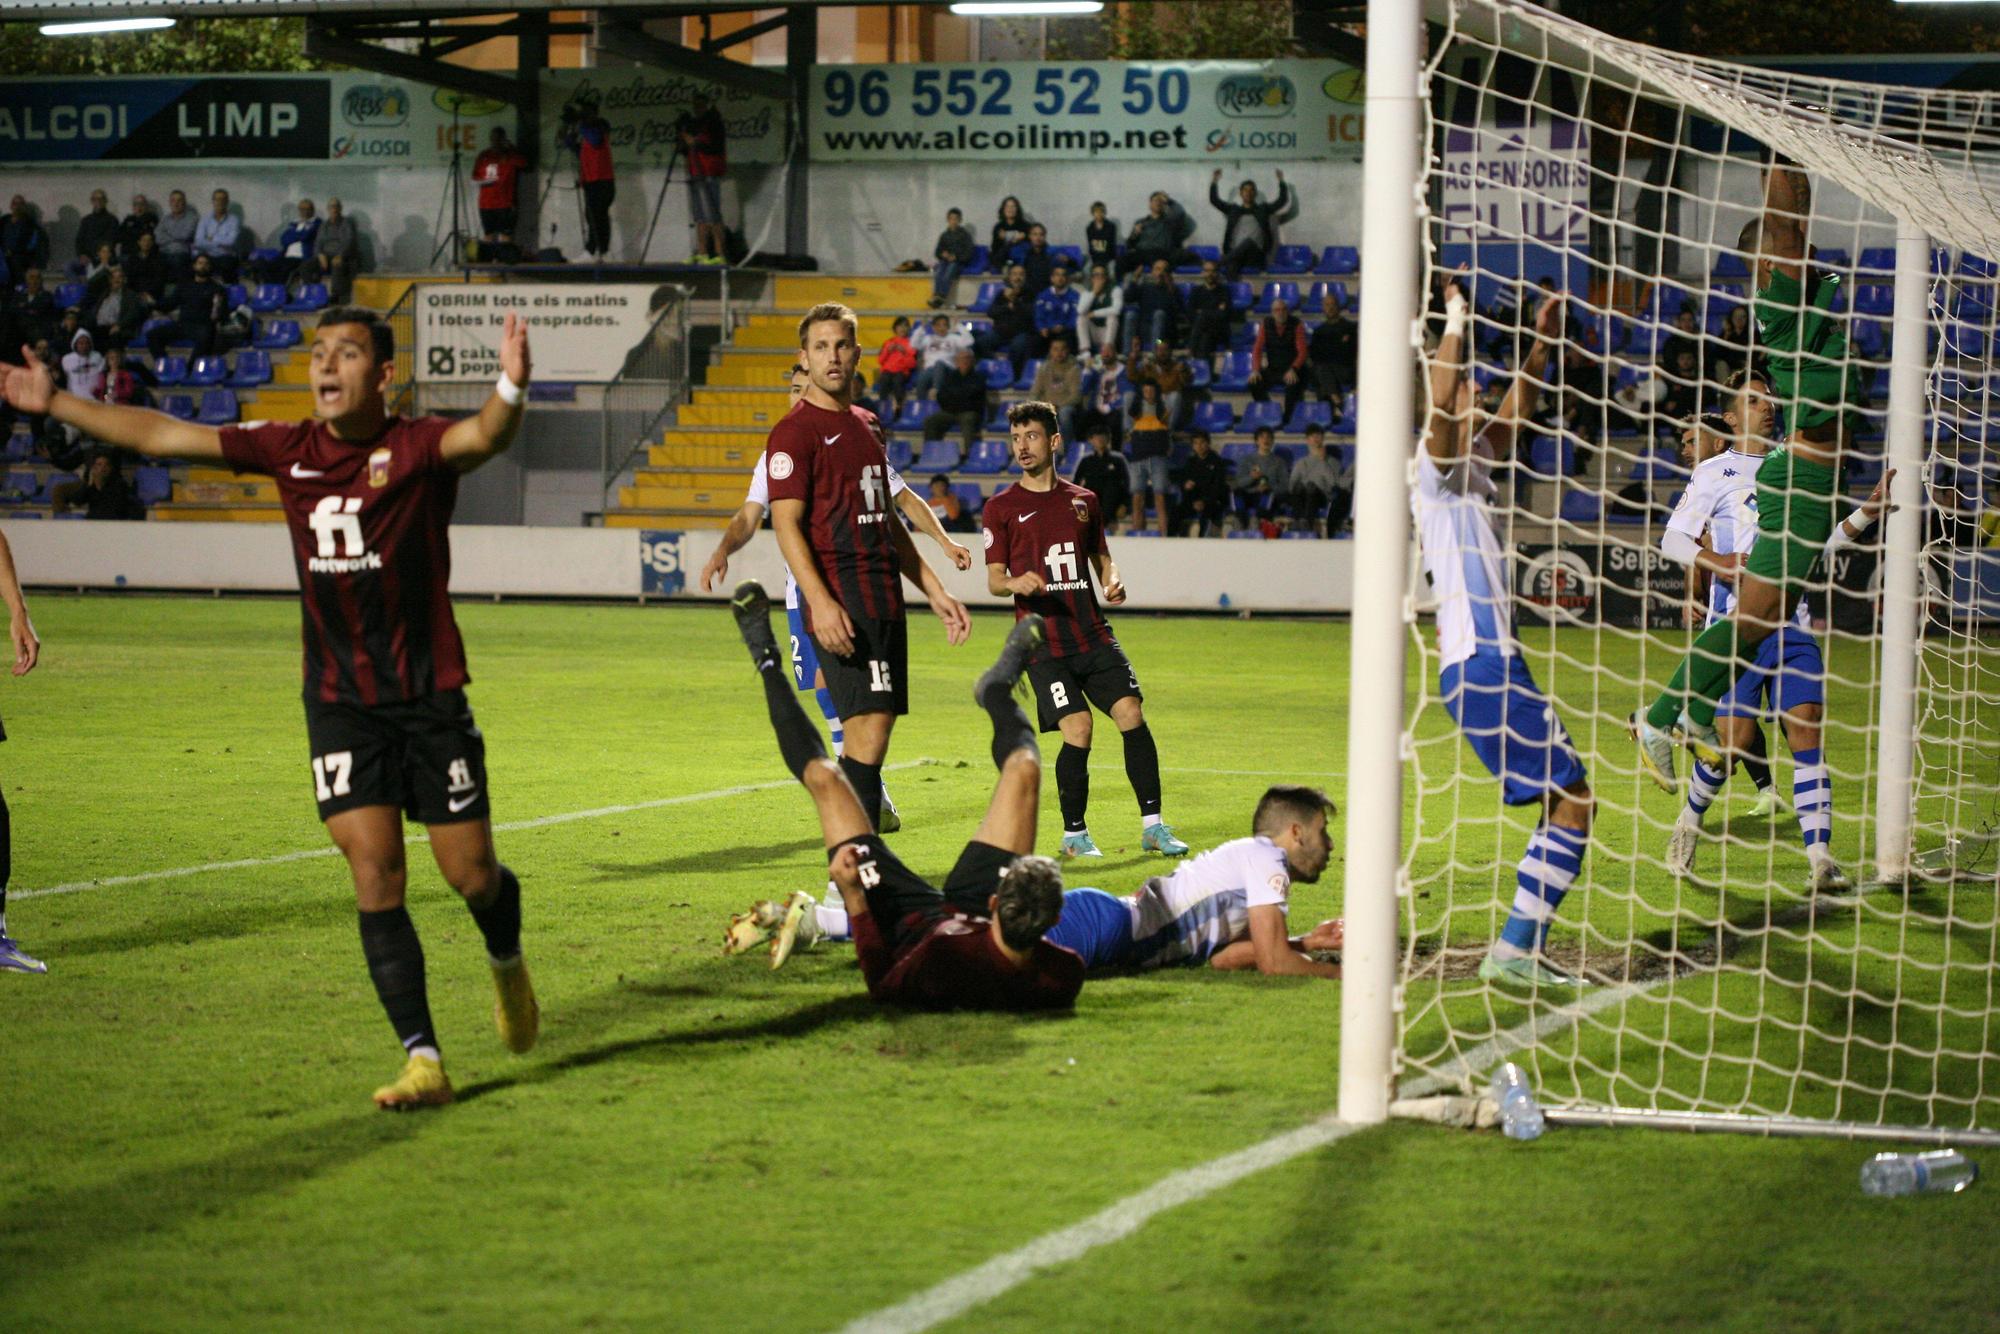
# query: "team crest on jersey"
[781,467]
[378,467]
[1280,882]
[1082,508]
[989,539]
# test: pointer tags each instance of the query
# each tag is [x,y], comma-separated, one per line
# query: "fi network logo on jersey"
[663,562]
[874,493]
[336,526]
[1064,575]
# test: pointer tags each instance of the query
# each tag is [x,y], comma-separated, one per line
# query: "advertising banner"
[579,333]
[663,563]
[643,105]
[1618,583]
[1166,112]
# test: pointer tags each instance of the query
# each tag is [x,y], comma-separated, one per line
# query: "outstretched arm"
[1787,203]
[926,520]
[1526,392]
[1856,525]
[30,388]
[1443,429]
[742,526]
[477,438]
[1269,950]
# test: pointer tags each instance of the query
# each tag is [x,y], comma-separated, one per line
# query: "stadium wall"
[1164,574]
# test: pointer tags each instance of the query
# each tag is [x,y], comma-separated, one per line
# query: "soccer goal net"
[1772,291]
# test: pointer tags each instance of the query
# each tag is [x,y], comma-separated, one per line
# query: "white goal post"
[1734,991]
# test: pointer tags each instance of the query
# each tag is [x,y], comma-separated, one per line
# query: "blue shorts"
[705,198]
[1096,925]
[805,658]
[1788,672]
[1510,726]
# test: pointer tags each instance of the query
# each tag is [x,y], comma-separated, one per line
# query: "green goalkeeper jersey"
[1806,342]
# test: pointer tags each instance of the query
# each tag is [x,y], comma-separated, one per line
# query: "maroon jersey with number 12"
[369,522]
[833,461]
[1053,533]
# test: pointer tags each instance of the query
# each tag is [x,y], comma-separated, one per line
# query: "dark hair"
[954,213]
[1263,431]
[1030,900]
[1036,413]
[1742,376]
[1751,236]
[1200,434]
[1020,214]
[1714,421]
[1097,203]
[381,335]
[937,477]
[1315,429]
[1289,803]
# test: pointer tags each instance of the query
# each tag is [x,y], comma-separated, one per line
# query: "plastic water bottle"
[1520,1114]
[1941,1171]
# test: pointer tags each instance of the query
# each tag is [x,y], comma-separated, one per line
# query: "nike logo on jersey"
[1022,518]
[457,804]
[831,440]
[302,472]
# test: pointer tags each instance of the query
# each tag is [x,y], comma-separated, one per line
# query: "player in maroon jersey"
[977,943]
[829,481]
[367,496]
[1043,537]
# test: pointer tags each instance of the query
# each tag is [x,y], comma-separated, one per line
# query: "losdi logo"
[1255,95]
[375,105]
[348,145]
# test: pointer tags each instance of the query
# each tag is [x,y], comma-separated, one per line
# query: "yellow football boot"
[422,1084]
[515,1012]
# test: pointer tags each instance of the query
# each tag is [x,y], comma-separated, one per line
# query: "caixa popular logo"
[1559,585]
[1244,95]
[662,562]
[375,105]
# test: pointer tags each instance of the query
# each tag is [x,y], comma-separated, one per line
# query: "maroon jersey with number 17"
[833,461]
[1053,533]
[369,522]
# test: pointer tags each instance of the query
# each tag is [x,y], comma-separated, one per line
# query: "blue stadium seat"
[1236,370]
[171,370]
[1235,453]
[1184,290]
[999,373]
[1208,253]
[1241,296]
[253,368]
[1287,292]
[1866,335]
[984,301]
[20,445]
[1338,260]
[218,407]
[207,371]
[1214,417]
[70,294]
[1975,302]
[275,335]
[1344,424]
[1317,293]
[21,487]
[1247,534]
[1728,264]
[178,405]
[913,415]
[1874,299]
[987,458]
[1550,457]
[1262,414]
[1832,257]
[1964,340]
[1029,369]
[311,297]
[267,297]
[1309,413]
[1200,373]
[996,420]
[981,261]
[1977,266]
[1582,507]
[1298,535]
[939,455]
[1292,259]
[970,498]
[1878,259]
[1073,456]
[1072,255]
[237,295]
[1243,337]
[152,483]
[157,322]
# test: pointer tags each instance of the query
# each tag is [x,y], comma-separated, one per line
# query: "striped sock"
[1703,784]
[1812,797]
[1552,861]
[832,716]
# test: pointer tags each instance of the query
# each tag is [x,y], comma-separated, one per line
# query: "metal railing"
[651,384]
[402,319]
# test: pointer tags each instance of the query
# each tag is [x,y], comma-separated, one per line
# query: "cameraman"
[497,173]
[705,141]
[588,135]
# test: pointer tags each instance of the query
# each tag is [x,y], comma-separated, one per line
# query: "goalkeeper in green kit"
[1811,377]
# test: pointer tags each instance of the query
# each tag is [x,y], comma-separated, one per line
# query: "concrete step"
[724,501]
[664,518]
[176,512]
[861,293]
[237,491]
[673,474]
[731,415]
[714,458]
[738,396]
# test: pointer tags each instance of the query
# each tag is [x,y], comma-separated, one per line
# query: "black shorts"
[872,679]
[1099,676]
[425,756]
[907,903]
[497,222]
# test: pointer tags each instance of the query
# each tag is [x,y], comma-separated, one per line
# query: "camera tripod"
[646,251]
[454,240]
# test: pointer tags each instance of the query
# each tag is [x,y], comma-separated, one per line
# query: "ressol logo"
[1242,95]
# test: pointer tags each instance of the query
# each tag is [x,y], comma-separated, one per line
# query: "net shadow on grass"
[709,861]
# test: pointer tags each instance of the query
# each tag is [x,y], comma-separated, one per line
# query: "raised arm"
[926,520]
[1856,525]
[743,525]
[1787,204]
[29,388]
[474,440]
[1447,374]
[1526,391]
[27,647]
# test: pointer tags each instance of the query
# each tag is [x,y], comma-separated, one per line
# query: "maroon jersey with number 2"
[369,522]
[833,461]
[1053,533]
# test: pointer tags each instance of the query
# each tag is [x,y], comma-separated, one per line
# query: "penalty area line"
[510,827]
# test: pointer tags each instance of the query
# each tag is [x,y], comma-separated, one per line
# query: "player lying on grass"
[978,943]
[1225,908]
[743,525]
[1483,679]
[1802,333]
[368,498]
[1712,527]
[27,651]
[1044,538]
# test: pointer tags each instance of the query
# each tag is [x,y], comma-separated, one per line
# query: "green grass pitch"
[699,1143]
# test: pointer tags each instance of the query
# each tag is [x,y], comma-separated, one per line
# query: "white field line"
[512,826]
[975,1287]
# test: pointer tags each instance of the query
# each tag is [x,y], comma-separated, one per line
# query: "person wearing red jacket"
[588,134]
[497,173]
[1279,357]
[706,142]
[894,364]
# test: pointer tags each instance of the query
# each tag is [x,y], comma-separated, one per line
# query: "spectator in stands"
[1100,239]
[1098,311]
[1148,441]
[218,235]
[336,254]
[588,135]
[1010,228]
[1686,336]
[1263,478]
[83,366]
[1680,384]
[122,384]
[139,222]
[99,227]
[1104,405]
[1731,350]
[1038,262]
[961,402]
[22,241]
[1316,482]
[37,306]
[953,252]
[895,363]
[1152,309]
[1012,334]
[1210,312]
[1161,235]
[1059,382]
[944,503]
[1055,311]
[66,328]
[706,142]
[937,345]
[175,234]
[1280,357]
[145,269]
[296,242]
[1204,489]
[119,312]
[1249,228]
[103,493]
[1103,472]
[1333,349]
[1168,374]
[497,173]
[97,273]
[199,304]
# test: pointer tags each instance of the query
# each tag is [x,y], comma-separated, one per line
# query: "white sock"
[832,922]
[1148,821]
[431,1052]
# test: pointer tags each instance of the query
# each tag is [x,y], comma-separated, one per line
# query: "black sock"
[1011,729]
[499,918]
[1073,785]
[867,781]
[1142,766]
[6,859]
[798,740]
[396,963]
[1759,771]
